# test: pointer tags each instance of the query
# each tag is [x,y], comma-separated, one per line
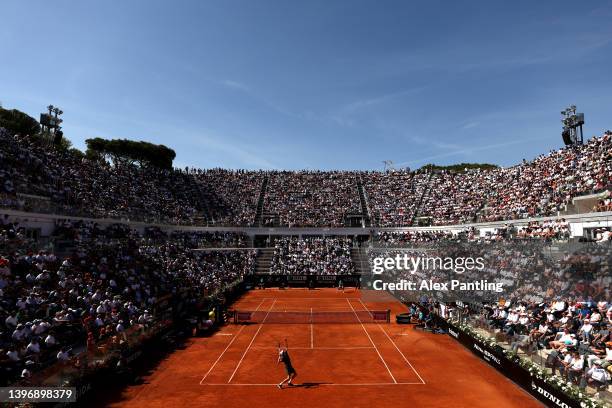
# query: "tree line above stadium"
[131,152]
[118,150]
[143,153]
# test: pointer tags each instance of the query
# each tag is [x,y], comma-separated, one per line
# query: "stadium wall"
[46,224]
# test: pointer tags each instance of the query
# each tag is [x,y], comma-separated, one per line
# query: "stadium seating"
[38,178]
[111,282]
[312,256]
[104,281]
[312,198]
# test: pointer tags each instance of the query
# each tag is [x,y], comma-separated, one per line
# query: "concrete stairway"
[260,202]
[360,260]
[365,208]
[264,258]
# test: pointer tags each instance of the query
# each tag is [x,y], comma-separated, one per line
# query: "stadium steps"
[360,260]
[365,207]
[264,259]
[260,202]
[417,211]
[204,198]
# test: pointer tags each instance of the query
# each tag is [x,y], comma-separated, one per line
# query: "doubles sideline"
[251,343]
[397,348]
[228,346]
[367,334]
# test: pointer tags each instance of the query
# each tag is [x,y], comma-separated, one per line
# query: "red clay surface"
[338,365]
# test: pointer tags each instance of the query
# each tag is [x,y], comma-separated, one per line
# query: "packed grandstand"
[124,245]
[39,179]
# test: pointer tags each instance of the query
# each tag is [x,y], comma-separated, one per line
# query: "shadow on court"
[308,385]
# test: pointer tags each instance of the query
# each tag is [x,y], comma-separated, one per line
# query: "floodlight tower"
[572,126]
[51,123]
[388,165]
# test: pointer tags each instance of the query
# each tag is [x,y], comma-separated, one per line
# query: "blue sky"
[313,84]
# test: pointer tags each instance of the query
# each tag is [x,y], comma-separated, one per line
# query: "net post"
[388,315]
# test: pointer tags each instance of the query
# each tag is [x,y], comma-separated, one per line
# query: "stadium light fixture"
[572,126]
[50,123]
[388,165]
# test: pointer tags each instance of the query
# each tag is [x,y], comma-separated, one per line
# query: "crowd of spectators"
[312,256]
[550,230]
[34,176]
[605,204]
[198,239]
[542,187]
[12,235]
[546,184]
[603,235]
[576,335]
[112,281]
[557,230]
[312,198]
[555,298]
[394,197]
[533,270]
[231,197]
[456,198]
[411,237]
[71,184]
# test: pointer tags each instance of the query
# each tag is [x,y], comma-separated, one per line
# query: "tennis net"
[312,317]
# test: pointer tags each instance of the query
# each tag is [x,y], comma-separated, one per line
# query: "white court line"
[221,355]
[224,334]
[397,348]
[252,340]
[400,351]
[317,348]
[318,385]
[311,331]
[228,346]
[367,334]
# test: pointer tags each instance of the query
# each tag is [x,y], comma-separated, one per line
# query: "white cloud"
[470,125]
[235,85]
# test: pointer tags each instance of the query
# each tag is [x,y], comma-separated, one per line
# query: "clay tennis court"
[356,363]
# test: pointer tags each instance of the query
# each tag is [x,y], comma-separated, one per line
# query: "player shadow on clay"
[308,385]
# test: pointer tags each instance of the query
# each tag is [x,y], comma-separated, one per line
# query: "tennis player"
[283,357]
